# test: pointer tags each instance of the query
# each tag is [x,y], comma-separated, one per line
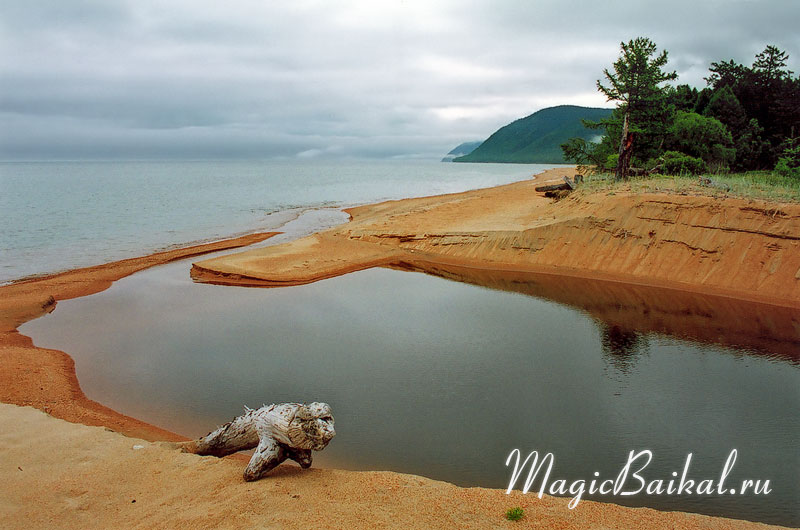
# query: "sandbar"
[100,468]
[746,249]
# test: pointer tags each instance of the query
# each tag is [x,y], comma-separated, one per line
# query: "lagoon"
[445,378]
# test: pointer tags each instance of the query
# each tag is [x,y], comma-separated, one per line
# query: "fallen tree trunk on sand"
[566,185]
[277,432]
[642,172]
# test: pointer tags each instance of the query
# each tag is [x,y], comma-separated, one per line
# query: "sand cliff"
[746,249]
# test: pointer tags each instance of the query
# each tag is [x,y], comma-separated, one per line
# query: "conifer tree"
[636,83]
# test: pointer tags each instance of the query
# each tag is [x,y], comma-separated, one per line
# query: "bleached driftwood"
[278,432]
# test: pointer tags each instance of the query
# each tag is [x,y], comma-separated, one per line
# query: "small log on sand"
[277,432]
[566,185]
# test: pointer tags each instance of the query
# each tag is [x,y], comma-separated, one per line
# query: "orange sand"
[45,378]
[61,475]
[73,476]
[745,249]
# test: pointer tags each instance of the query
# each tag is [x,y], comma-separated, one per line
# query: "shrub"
[789,163]
[675,163]
[702,137]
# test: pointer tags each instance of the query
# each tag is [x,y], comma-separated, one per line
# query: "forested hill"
[461,150]
[537,139]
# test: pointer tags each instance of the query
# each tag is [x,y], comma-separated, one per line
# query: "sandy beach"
[744,249]
[135,477]
[45,378]
[93,478]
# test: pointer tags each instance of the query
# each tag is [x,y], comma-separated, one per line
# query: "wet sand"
[45,378]
[70,475]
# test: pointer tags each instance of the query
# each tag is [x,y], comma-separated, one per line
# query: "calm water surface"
[444,378]
[63,215]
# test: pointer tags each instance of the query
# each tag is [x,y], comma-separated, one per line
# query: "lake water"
[428,376]
[62,215]
[443,378]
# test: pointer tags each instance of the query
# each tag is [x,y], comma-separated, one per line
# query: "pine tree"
[771,64]
[636,84]
[725,107]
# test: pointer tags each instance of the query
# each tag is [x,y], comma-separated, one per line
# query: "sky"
[256,79]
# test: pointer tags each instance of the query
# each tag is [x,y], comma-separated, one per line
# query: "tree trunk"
[625,151]
[626,164]
[277,432]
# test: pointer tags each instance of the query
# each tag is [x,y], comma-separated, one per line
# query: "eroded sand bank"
[746,249]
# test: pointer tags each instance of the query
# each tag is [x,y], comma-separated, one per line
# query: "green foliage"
[746,118]
[750,145]
[611,162]
[537,139]
[789,163]
[702,137]
[577,150]
[636,83]
[637,75]
[515,514]
[724,74]
[771,64]
[609,142]
[751,185]
[725,107]
[703,99]
[682,97]
[783,169]
[675,163]
[768,94]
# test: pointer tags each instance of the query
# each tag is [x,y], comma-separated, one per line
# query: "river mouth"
[444,378]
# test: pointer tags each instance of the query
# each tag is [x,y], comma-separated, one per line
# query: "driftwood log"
[277,432]
[642,172]
[567,184]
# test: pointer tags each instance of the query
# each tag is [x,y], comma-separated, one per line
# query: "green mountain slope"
[462,149]
[537,139]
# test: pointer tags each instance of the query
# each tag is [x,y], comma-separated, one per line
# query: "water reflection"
[443,379]
[745,327]
[621,347]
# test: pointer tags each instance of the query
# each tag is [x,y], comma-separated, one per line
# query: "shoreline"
[102,479]
[736,248]
[45,379]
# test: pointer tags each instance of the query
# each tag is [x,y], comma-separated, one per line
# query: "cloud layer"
[203,79]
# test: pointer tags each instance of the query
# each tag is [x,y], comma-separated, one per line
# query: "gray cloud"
[362,78]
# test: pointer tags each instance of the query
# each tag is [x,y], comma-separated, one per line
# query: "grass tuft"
[766,185]
[515,514]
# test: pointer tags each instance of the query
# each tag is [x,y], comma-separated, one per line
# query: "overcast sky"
[262,78]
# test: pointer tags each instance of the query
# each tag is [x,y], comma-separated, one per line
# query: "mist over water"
[62,215]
